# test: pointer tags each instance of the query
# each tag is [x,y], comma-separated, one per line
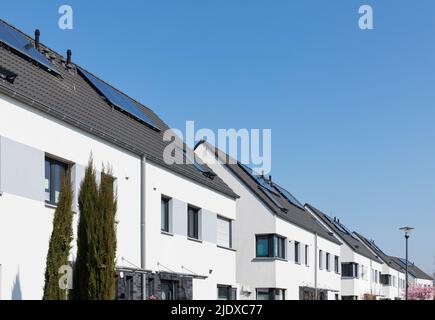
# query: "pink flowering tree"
[418,292]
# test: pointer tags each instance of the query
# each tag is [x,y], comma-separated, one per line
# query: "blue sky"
[352,112]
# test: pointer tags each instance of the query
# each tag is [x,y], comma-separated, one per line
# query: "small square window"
[226,292]
[270,294]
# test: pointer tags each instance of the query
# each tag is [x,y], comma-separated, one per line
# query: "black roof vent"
[68,57]
[209,174]
[37,36]
[7,75]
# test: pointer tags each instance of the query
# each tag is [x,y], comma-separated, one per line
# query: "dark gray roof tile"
[379,253]
[296,215]
[413,270]
[355,244]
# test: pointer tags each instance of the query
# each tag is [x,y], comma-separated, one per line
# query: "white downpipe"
[315,265]
[142,223]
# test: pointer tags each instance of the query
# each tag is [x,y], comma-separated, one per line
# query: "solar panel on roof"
[265,187]
[117,99]
[409,265]
[15,40]
[270,196]
[258,178]
[375,246]
[200,167]
[404,261]
[289,196]
[339,226]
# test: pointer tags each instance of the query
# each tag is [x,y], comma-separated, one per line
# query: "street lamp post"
[407,231]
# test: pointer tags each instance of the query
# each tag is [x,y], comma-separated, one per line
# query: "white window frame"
[230,232]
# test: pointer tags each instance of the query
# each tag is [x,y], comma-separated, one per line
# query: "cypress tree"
[94,273]
[60,242]
[107,236]
[85,271]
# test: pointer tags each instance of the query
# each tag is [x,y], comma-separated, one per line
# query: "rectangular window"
[297,252]
[320,259]
[336,264]
[279,294]
[128,293]
[55,172]
[387,279]
[328,262]
[226,292]
[278,247]
[193,223]
[169,290]
[263,294]
[270,294]
[263,246]
[306,254]
[349,270]
[165,214]
[224,232]
[349,298]
[270,246]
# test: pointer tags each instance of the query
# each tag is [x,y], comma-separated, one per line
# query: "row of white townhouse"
[184,231]
[328,260]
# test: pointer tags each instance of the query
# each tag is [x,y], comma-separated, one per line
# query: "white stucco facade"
[391,287]
[392,291]
[175,251]
[26,221]
[424,282]
[367,281]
